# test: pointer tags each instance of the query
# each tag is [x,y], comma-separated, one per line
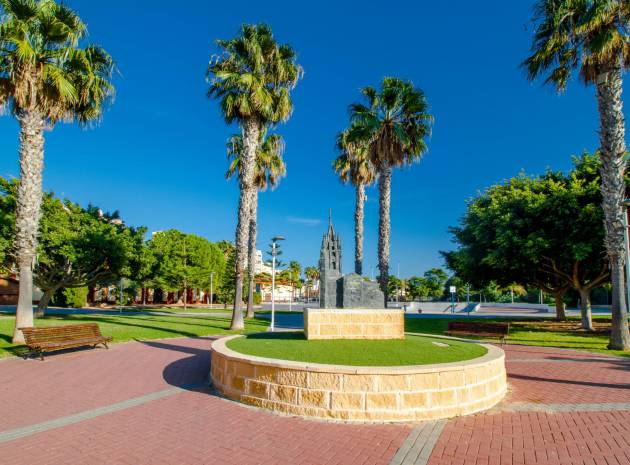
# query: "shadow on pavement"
[191,372]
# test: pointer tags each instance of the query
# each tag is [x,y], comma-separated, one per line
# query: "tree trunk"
[585,309]
[91,297]
[44,301]
[253,222]
[250,131]
[612,154]
[185,296]
[28,213]
[358,229]
[619,337]
[384,227]
[560,314]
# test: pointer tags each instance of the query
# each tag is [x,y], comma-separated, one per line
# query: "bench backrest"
[61,333]
[498,328]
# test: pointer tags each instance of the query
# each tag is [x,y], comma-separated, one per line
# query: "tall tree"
[295,270]
[592,36]
[543,232]
[393,126]
[269,168]
[45,77]
[354,165]
[312,276]
[252,78]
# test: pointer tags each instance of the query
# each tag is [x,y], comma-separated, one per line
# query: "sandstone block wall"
[323,323]
[360,393]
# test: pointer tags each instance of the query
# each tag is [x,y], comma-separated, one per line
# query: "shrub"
[76,297]
[257,298]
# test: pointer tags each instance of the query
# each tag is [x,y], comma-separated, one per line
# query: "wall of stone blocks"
[354,324]
[333,392]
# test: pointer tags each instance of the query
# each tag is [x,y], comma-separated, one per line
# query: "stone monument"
[350,307]
[338,291]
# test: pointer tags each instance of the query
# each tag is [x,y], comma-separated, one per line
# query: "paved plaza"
[149,403]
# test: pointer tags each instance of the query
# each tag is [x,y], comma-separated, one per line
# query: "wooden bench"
[53,338]
[465,328]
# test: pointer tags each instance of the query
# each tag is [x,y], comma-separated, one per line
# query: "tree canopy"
[545,232]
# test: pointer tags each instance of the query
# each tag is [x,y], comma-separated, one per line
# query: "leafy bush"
[257,298]
[75,297]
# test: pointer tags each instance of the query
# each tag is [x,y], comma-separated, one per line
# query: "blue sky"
[159,154]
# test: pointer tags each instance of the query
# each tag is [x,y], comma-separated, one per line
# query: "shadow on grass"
[136,324]
[279,336]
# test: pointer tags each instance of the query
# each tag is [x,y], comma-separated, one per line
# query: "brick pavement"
[124,409]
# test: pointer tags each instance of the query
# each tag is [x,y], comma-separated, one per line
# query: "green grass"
[127,328]
[215,309]
[413,350]
[534,331]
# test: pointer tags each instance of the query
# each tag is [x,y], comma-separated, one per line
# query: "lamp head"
[277,238]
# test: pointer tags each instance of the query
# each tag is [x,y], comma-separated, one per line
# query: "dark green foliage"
[544,231]
[75,297]
[183,260]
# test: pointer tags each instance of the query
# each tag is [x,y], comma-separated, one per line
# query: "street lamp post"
[211,288]
[274,240]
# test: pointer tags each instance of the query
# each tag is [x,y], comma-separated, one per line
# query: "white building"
[260,266]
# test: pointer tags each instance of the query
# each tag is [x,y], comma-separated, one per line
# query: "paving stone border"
[366,394]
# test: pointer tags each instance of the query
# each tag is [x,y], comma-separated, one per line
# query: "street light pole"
[211,287]
[121,295]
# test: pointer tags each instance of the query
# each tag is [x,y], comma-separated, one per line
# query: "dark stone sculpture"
[338,291]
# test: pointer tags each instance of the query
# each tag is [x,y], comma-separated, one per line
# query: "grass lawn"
[413,350]
[534,331]
[215,309]
[126,328]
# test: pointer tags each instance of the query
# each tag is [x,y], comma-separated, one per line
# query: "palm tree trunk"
[612,153]
[253,223]
[384,227]
[250,131]
[585,309]
[28,213]
[358,228]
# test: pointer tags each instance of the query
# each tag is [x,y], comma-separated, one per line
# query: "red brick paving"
[566,376]
[584,438]
[33,391]
[196,427]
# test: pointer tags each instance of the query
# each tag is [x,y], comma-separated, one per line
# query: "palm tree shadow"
[190,372]
[575,382]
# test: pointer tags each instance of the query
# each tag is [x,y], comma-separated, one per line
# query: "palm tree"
[353,165]
[312,275]
[269,169]
[45,77]
[393,126]
[592,36]
[295,269]
[252,79]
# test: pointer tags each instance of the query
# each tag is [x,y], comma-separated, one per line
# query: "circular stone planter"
[350,393]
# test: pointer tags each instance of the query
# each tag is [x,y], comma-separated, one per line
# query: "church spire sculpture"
[336,290]
[329,266]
